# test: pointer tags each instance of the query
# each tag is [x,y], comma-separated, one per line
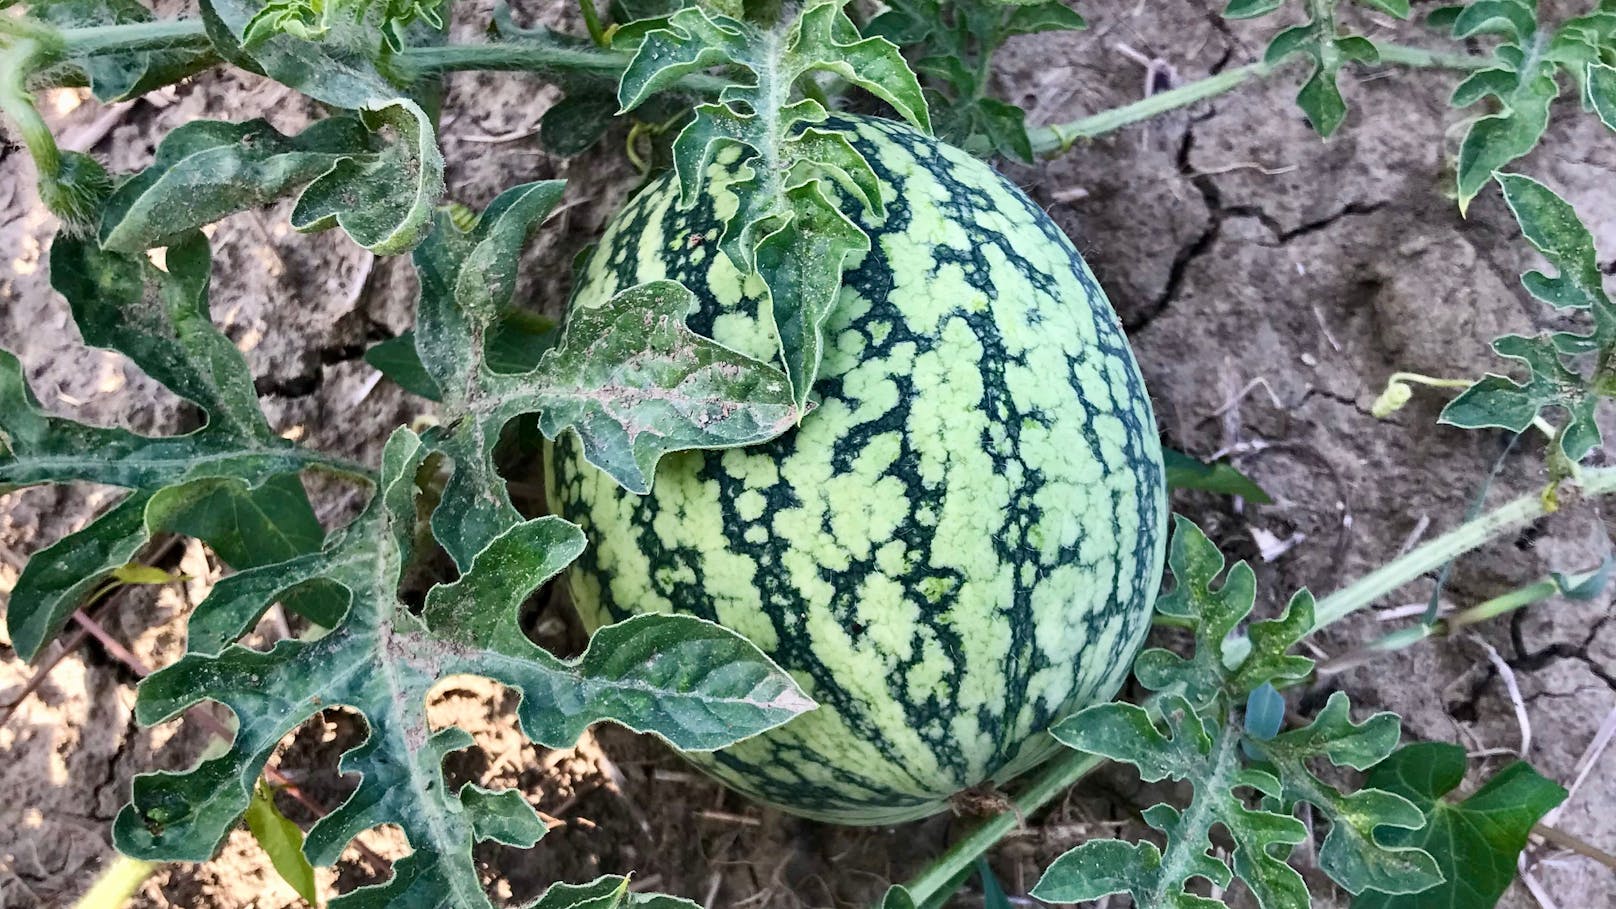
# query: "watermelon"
[960,546]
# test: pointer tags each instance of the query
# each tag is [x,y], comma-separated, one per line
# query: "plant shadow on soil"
[1251,264]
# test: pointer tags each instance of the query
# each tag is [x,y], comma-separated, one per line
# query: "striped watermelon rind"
[963,543]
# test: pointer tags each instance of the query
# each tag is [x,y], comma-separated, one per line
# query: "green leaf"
[628,376]
[1553,228]
[786,226]
[992,892]
[1250,9]
[206,170]
[1215,723]
[1185,472]
[1048,16]
[897,897]
[575,123]
[365,196]
[1601,92]
[1525,81]
[690,682]
[396,359]
[282,841]
[119,76]
[1321,40]
[950,40]
[1475,841]
[159,318]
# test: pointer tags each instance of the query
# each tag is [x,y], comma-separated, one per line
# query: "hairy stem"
[17,63]
[1056,139]
[1404,638]
[536,57]
[164,34]
[1435,553]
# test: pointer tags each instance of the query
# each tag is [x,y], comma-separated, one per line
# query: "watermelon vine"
[809,374]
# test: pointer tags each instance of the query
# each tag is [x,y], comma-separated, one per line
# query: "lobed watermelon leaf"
[1475,841]
[628,377]
[1248,776]
[232,483]
[786,226]
[383,200]
[693,683]
[1551,225]
[1525,79]
[206,170]
[1321,40]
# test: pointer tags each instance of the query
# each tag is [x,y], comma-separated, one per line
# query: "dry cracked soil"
[1270,283]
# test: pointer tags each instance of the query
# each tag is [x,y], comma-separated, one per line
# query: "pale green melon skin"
[960,546]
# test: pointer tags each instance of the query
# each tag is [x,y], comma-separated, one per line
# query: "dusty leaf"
[1554,379]
[208,169]
[385,202]
[690,682]
[634,383]
[628,376]
[1215,723]
[159,318]
[786,227]
[122,75]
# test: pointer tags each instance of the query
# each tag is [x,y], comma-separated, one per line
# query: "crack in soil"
[1197,247]
[1217,213]
[131,730]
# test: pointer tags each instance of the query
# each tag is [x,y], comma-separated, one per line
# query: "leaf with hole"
[159,318]
[690,682]
[628,377]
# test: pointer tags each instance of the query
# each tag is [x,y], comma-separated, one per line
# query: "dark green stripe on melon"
[960,546]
